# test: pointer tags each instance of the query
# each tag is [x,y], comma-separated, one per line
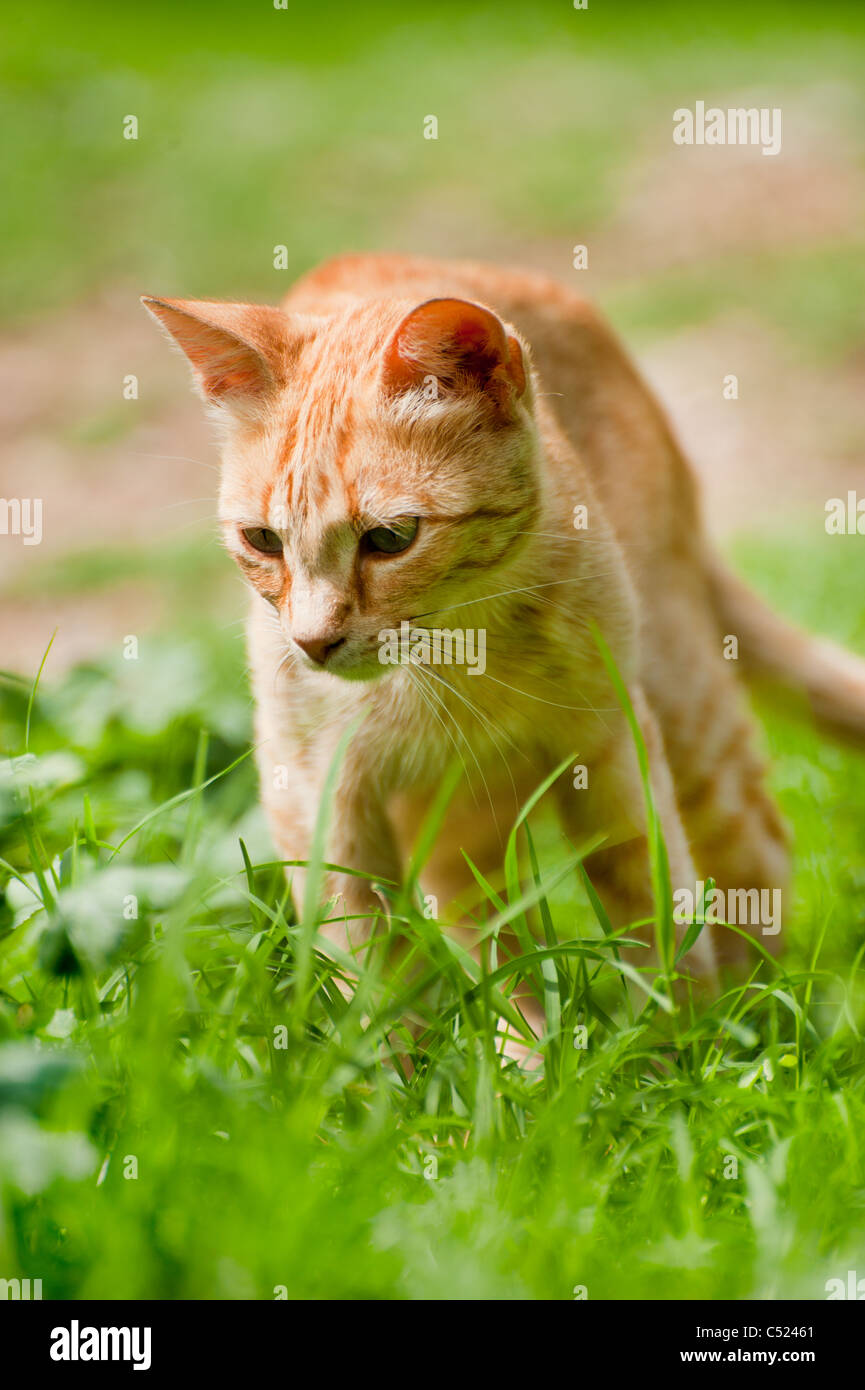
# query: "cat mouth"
[359,671]
[355,664]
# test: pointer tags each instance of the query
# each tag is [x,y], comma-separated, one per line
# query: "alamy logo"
[21,1289]
[741,907]
[21,516]
[853,1289]
[738,125]
[845,517]
[76,1343]
[433,646]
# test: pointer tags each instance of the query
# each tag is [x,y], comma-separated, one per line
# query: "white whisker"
[504,593]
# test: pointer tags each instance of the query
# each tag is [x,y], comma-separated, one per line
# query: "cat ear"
[237,351]
[461,346]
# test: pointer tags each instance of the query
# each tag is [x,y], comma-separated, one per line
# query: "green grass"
[192,1107]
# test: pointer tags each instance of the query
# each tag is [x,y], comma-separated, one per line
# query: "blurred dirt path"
[111,473]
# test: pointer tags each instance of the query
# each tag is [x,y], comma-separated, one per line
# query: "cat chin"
[367,671]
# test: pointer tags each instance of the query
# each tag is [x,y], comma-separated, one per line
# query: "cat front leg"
[359,837]
[613,803]
[287,799]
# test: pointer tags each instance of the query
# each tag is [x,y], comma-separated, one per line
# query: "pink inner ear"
[460,344]
[225,364]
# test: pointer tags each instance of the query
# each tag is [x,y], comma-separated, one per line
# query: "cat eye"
[263,539]
[390,540]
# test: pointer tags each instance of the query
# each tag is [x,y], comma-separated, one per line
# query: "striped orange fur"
[488,405]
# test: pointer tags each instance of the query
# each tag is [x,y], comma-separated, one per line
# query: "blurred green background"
[304,126]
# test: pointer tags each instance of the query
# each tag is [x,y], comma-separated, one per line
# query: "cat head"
[379,464]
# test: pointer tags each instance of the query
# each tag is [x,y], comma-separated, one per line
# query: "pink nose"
[318,649]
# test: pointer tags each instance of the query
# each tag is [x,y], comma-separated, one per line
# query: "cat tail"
[832,679]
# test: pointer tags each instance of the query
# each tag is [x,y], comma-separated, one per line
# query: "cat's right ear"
[460,345]
[238,352]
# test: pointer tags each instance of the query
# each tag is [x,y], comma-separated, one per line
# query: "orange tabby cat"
[419,447]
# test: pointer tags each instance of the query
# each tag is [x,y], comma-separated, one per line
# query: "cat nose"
[318,649]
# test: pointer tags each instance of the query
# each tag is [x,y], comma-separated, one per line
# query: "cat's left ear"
[460,346]
[237,352]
